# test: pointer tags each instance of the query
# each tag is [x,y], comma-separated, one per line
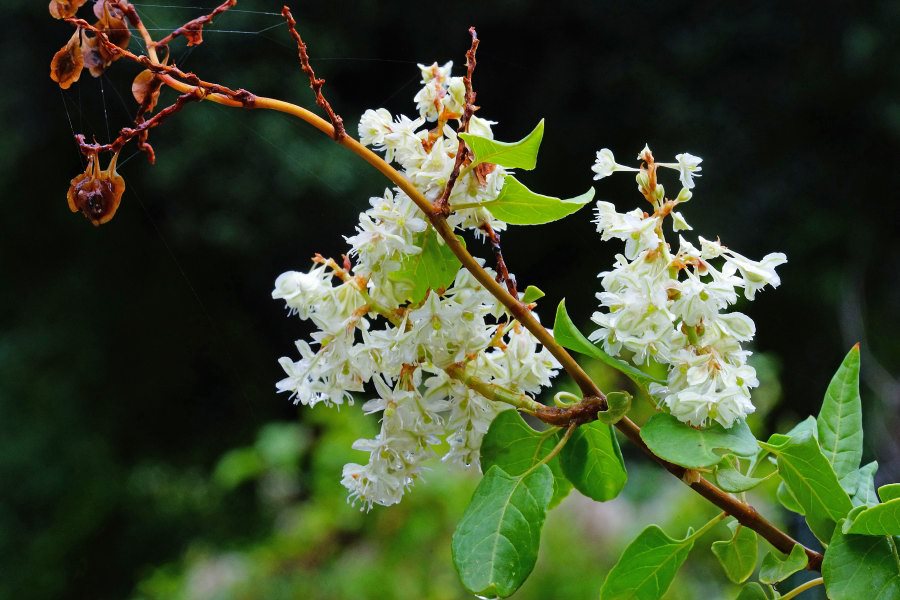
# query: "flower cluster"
[420,355]
[670,307]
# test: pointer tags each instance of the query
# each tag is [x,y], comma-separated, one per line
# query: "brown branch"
[126,134]
[586,411]
[193,30]
[503,275]
[442,204]
[315,83]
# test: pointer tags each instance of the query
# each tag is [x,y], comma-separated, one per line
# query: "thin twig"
[193,30]
[442,204]
[126,134]
[314,82]
[503,275]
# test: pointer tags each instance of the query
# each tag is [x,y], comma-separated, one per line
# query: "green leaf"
[881,519]
[808,425]
[683,445]
[840,419]
[647,566]
[568,335]
[512,155]
[617,406]
[737,555]
[593,462]
[731,479]
[434,268]
[786,497]
[496,543]
[511,444]
[809,476]
[861,567]
[517,205]
[531,294]
[778,567]
[889,492]
[864,492]
[752,591]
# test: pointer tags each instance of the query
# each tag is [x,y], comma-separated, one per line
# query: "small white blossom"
[605,164]
[688,168]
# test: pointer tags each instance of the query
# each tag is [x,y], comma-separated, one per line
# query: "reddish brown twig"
[314,82]
[126,134]
[193,30]
[243,96]
[442,204]
[503,275]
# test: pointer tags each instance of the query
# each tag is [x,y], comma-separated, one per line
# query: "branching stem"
[594,399]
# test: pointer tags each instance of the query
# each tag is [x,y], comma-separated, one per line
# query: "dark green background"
[136,354]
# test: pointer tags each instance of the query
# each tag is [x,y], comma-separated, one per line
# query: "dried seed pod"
[96,194]
[66,66]
[145,89]
[62,9]
[97,56]
[113,25]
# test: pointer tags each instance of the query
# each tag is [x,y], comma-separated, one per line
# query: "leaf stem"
[556,449]
[709,525]
[802,588]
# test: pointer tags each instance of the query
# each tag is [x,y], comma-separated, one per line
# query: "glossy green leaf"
[569,336]
[511,444]
[496,543]
[647,566]
[517,205]
[809,476]
[840,419]
[881,519]
[752,591]
[786,497]
[730,479]
[683,445]
[531,294]
[737,555]
[778,567]
[889,492]
[434,268]
[618,404]
[593,462]
[861,567]
[864,492]
[512,155]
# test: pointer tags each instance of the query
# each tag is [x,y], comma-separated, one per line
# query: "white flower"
[605,164]
[373,126]
[433,72]
[679,224]
[756,275]
[688,168]
[637,230]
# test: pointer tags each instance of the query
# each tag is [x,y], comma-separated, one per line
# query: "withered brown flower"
[66,66]
[95,193]
[97,56]
[61,9]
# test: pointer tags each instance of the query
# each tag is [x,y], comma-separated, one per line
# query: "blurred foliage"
[143,450]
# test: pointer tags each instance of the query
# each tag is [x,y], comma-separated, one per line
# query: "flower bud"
[684,195]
